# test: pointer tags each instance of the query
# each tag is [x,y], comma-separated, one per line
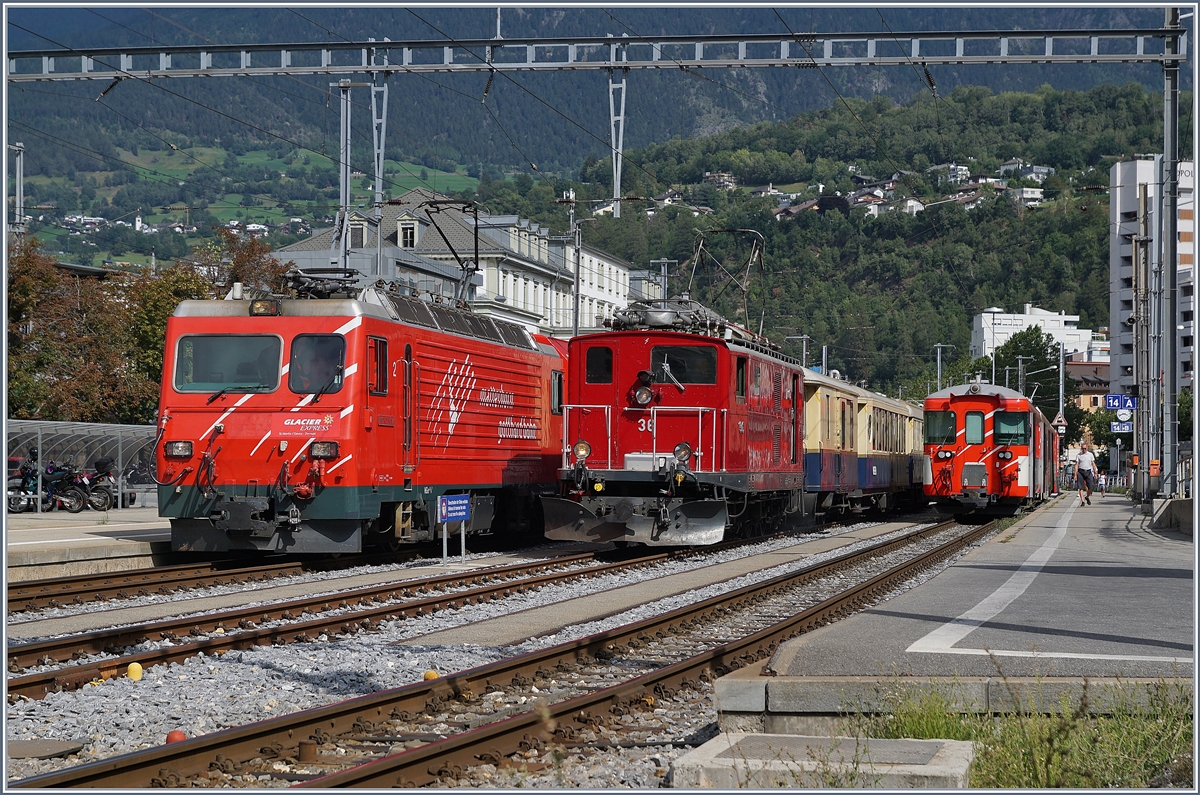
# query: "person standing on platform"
[1102,483]
[1085,474]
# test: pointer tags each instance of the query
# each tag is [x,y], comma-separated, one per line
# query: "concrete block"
[776,761]
[744,690]
[1173,514]
[1047,695]
[842,694]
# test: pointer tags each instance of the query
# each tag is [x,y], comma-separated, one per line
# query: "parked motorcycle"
[98,486]
[58,488]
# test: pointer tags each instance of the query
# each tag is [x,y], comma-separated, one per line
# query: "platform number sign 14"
[1117,402]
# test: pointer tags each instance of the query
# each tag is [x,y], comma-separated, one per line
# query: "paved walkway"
[1068,591]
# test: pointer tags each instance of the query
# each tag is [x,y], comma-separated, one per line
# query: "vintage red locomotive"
[678,425]
[331,418]
[990,451]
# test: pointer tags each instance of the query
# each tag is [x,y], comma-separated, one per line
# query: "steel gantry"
[608,53]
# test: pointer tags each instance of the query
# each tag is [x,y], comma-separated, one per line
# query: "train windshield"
[939,427]
[317,364]
[227,362]
[1012,427]
[683,364]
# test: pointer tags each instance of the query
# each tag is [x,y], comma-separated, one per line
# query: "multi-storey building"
[1124,179]
[525,275]
[991,329]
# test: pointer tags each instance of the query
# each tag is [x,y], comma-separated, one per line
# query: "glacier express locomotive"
[332,420]
[681,428]
[990,451]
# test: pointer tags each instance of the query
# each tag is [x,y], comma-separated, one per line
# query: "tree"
[1039,363]
[71,356]
[154,298]
[231,258]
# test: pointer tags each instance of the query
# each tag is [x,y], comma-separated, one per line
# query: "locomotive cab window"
[974,427]
[599,366]
[229,362]
[556,392]
[377,358]
[1012,427]
[684,364]
[939,427]
[317,364]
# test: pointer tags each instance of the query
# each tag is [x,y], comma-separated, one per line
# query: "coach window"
[939,427]
[974,427]
[599,368]
[556,392]
[740,383]
[1012,427]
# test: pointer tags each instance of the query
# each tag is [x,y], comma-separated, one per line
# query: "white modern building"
[1124,179]
[993,327]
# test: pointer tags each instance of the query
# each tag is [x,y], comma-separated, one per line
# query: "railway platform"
[61,544]
[1067,595]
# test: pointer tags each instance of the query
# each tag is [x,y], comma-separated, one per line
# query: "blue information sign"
[454,508]
[1116,402]
[1121,427]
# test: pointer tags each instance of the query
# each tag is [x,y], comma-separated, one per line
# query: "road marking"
[74,527]
[942,639]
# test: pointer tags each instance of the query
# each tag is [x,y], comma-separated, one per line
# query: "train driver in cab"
[316,364]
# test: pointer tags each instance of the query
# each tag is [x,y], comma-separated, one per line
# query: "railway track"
[34,595]
[354,743]
[302,620]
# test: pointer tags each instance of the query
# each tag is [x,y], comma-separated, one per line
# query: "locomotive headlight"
[945,454]
[324,450]
[265,306]
[683,451]
[643,396]
[178,449]
[582,450]
[1004,455]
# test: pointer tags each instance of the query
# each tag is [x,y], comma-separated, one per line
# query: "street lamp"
[993,311]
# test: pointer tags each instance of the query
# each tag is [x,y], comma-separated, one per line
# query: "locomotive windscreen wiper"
[667,369]
[226,390]
[336,372]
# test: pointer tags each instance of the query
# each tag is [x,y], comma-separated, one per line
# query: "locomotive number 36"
[646,424]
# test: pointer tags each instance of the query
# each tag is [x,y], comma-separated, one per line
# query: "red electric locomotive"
[989,450]
[679,425]
[332,420]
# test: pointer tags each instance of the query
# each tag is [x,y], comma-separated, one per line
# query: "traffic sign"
[1124,415]
[1121,427]
[1120,402]
[454,508]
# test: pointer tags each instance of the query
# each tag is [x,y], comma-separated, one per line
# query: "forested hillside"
[551,120]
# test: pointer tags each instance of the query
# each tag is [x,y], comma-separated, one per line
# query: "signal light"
[683,451]
[582,450]
[643,396]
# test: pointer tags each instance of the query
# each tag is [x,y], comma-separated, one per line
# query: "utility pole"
[379,104]
[824,360]
[939,347]
[1021,372]
[663,263]
[1170,364]
[18,224]
[804,340]
[1141,342]
[1007,369]
[340,255]
[1061,369]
